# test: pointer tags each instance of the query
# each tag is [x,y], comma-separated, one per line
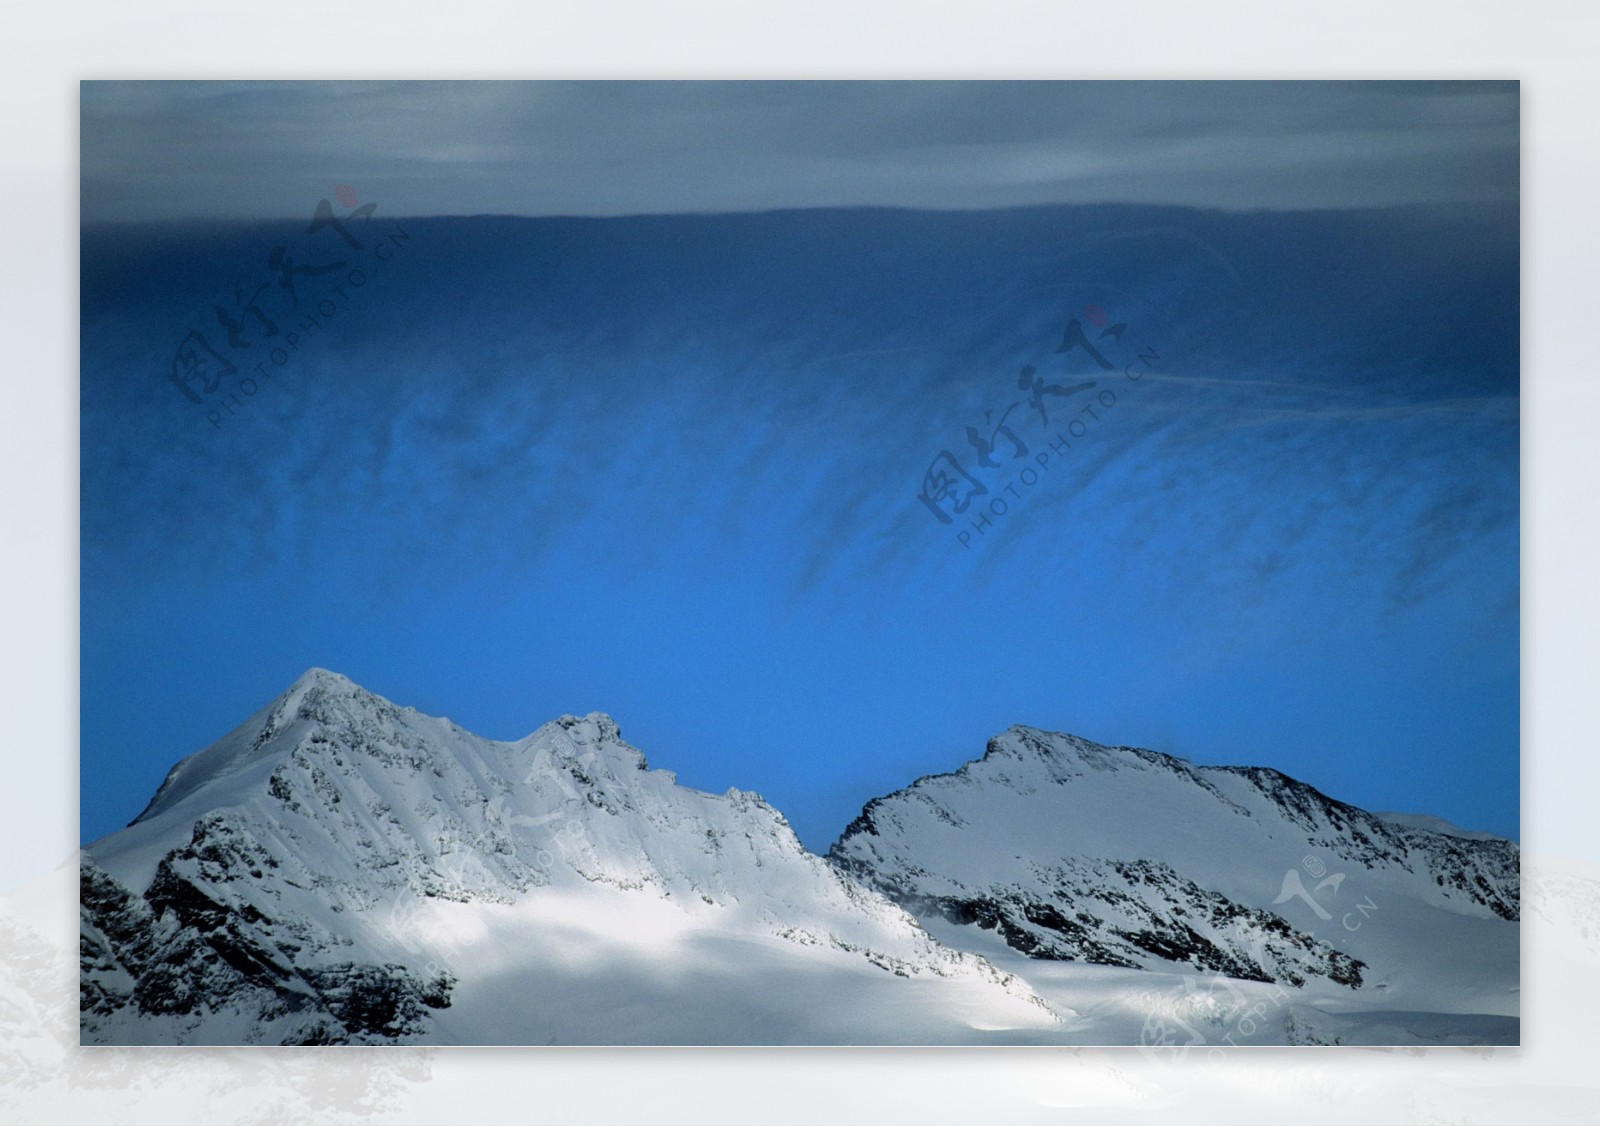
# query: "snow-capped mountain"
[341,869]
[1065,850]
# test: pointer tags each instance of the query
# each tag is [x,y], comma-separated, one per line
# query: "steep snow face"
[343,869]
[1065,850]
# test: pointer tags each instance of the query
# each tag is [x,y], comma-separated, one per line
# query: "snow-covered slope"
[342,869]
[1065,850]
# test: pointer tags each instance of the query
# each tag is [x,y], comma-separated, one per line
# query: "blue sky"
[668,467]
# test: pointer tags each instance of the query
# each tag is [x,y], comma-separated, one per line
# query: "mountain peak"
[1066,849]
[1026,744]
[319,696]
[319,683]
[596,734]
[322,678]
[594,726]
[325,873]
